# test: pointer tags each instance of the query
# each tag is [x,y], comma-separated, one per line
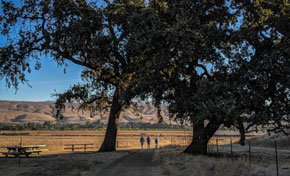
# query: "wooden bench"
[74,147]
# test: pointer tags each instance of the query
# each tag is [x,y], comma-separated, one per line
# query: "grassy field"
[55,140]
[169,158]
[72,164]
[175,163]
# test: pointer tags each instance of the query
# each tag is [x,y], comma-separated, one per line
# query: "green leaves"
[205,60]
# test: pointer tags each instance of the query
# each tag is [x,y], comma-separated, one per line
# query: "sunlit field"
[56,140]
[168,159]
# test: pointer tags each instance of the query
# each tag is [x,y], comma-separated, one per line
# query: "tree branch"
[116,42]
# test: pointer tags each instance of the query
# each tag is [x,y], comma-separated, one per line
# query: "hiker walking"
[148,142]
[142,140]
[156,142]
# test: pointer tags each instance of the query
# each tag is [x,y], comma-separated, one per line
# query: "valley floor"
[165,161]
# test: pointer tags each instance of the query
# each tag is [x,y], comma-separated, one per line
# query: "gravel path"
[136,163]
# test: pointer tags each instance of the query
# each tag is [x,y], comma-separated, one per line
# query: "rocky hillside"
[39,112]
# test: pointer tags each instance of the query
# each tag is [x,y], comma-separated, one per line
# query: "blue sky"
[44,82]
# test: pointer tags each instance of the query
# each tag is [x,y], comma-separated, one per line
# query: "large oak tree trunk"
[109,143]
[201,136]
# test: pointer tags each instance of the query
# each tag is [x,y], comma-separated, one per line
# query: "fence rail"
[78,146]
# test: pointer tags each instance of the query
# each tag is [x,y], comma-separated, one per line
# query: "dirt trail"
[136,163]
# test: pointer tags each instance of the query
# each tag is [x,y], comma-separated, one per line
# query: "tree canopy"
[95,37]
[244,81]
[212,62]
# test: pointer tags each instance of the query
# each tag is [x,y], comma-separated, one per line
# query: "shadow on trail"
[137,162]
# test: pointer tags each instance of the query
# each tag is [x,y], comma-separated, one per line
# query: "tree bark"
[201,136]
[242,131]
[109,143]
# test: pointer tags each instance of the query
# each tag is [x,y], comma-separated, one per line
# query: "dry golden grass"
[175,163]
[283,140]
[171,160]
[55,140]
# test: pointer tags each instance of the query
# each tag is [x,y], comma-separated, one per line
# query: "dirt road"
[136,163]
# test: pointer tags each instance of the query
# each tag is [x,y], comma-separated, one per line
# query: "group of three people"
[148,140]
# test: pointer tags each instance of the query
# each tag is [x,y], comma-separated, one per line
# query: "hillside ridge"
[40,112]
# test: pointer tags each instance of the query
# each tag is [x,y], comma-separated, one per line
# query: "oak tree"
[91,34]
[222,64]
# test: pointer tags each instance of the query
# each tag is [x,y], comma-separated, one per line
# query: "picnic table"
[24,150]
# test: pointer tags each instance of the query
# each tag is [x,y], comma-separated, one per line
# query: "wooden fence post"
[276,153]
[250,152]
[217,145]
[19,161]
[231,146]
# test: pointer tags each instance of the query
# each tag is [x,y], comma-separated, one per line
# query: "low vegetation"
[175,163]
[89,126]
[62,164]
[283,140]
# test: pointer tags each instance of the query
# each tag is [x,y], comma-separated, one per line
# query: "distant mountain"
[39,112]
[48,101]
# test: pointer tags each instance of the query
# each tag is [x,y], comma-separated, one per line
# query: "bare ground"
[136,163]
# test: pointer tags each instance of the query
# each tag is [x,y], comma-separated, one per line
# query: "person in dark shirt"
[148,142]
[156,142]
[142,140]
